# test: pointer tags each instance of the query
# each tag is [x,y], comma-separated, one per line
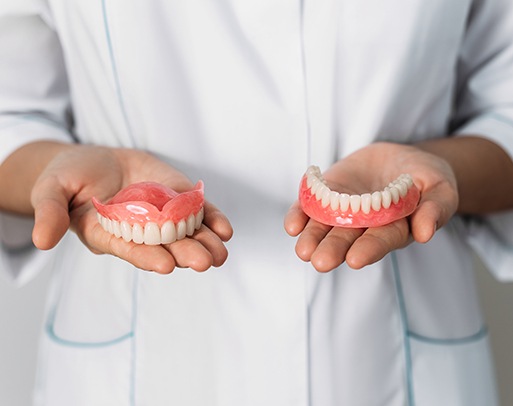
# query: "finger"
[146,257]
[217,222]
[51,217]
[425,221]
[310,238]
[377,242]
[295,220]
[213,244]
[331,251]
[435,210]
[190,253]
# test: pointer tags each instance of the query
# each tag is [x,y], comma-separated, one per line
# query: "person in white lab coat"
[95,95]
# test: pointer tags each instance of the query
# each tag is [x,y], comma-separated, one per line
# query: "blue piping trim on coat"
[116,75]
[410,335]
[503,119]
[482,333]
[305,83]
[50,330]
[81,344]
[135,297]
[406,335]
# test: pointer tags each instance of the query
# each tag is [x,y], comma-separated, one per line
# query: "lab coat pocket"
[85,375]
[94,304]
[452,372]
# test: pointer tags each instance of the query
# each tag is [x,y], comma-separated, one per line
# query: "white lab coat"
[244,95]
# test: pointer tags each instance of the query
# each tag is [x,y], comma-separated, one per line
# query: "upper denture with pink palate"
[151,213]
[399,199]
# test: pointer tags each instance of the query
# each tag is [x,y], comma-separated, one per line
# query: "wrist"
[20,170]
[483,171]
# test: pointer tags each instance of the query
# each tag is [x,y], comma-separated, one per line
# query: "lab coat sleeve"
[34,105]
[484,107]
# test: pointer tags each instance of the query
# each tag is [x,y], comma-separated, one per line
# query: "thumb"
[50,201]
[434,211]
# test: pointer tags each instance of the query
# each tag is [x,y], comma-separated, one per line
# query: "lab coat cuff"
[491,236]
[20,260]
[491,239]
[495,127]
[19,130]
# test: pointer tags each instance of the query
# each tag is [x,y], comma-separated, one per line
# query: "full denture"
[152,214]
[399,199]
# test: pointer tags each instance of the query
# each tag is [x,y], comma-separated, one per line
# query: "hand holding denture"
[158,212]
[378,199]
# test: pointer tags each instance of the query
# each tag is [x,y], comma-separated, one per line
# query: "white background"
[21,312]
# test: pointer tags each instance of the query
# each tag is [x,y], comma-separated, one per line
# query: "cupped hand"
[62,194]
[366,170]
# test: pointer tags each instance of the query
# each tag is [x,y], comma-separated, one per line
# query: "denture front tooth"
[376,201]
[355,202]
[395,194]
[110,228]
[309,179]
[168,232]
[365,203]
[137,233]
[386,198]
[99,217]
[190,223]
[181,230]
[320,191]
[199,219]
[334,200]
[105,223]
[316,184]
[152,234]
[126,231]
[325,197]
[116,228]
[402,187]
[344,201]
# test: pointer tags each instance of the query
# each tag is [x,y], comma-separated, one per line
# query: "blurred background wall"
[21,312]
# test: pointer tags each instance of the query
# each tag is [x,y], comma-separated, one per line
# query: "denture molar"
[397,200]
[152,214]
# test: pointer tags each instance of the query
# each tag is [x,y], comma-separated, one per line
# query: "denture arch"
[397,200]
[152,214]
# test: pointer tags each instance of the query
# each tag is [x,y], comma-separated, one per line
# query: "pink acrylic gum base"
[151,202]
[337,218]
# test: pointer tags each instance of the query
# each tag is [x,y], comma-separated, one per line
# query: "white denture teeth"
[376,201]
[386,198]
[334,200]
[137,233]
[344,201]
[325,197]
[365,202]
[151,233]
[355,202]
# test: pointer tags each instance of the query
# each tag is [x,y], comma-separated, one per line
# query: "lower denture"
[152,214]
[398,200]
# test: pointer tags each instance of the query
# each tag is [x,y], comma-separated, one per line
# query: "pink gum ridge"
[338,218]
[145,202]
